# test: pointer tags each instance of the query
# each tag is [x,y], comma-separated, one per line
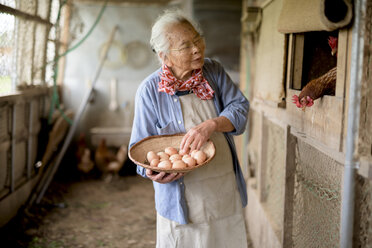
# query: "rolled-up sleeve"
[144,119]
[235,105]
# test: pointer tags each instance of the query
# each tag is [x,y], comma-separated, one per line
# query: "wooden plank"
[326,150]
[365,167]
[290,169]
[323,121]
[65,36]
[24,15]
[282,116]
[346,89]
[342,60]
[299,41]
[261,177]
[289,77]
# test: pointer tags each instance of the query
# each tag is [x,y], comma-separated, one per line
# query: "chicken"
[80,147]
[109,162]
[121,157]
[83,156]
[333,44]
[85,165]
[323,85]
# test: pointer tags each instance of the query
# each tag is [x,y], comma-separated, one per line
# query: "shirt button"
[181,183]
[175,100]
[179,122]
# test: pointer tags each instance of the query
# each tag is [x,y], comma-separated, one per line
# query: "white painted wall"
[134,24]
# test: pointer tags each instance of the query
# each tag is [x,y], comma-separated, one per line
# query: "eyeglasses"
[187,48]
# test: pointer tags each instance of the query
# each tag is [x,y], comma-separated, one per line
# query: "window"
[28,31]
[312,57]
[308,57]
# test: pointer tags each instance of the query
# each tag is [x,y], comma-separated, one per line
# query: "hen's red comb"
[332,41]
[296,101]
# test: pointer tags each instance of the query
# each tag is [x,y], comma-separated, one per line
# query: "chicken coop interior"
[69,73]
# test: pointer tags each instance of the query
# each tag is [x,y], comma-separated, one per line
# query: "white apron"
[213,201]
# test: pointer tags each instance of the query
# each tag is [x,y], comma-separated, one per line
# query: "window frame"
[324,121]
[37,70]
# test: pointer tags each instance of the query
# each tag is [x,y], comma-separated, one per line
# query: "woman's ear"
[165,59]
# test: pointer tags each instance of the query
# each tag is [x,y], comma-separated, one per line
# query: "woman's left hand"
[196,137]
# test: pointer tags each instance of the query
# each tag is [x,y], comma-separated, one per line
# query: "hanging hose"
[55,98]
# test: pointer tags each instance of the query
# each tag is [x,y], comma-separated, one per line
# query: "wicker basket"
[157,143]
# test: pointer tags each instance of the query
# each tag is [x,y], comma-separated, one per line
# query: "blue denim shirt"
[158,113]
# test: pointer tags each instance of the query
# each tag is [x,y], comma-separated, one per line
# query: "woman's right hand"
[163,177]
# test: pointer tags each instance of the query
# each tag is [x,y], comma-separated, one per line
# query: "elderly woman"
[193,95]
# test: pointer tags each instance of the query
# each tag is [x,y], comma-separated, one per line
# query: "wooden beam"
[261,177]
[290,169]
[23,15]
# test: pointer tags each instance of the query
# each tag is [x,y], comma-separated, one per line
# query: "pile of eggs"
[170,158]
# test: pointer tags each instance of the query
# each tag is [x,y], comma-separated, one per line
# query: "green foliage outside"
[5,85]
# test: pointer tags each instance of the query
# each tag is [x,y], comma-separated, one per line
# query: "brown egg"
[170,151]
[175,157]
[163,155]
[151,155]
[200,157]
[182,152]
[166,164]
[155,162]
[192,154]
[179,164]
[186,156]
[189,161]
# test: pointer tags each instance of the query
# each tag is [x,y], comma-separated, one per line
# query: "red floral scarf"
[170,84]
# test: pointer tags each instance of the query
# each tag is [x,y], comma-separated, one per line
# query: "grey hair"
[159,42]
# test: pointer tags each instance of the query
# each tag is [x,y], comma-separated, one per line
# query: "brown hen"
[323,85]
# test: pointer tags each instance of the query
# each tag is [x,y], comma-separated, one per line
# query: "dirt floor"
[88,212]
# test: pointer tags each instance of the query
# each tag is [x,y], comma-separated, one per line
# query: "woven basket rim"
[157,169]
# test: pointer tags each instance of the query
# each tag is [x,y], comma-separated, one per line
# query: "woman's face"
[186,51]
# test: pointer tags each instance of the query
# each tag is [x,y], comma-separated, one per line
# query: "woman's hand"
[163,177]
[196,137]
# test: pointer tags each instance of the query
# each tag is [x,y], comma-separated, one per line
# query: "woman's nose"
[195,49]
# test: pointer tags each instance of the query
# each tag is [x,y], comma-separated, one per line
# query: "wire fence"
[6,52]
[27,43]
[317,200]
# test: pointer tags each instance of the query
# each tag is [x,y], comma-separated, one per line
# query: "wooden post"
[290,169]
[261,177]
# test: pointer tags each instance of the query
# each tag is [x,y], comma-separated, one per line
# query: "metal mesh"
[50,58]
[28,7]
[274,177]
[9,3]
[43,9]
[365,136]
[39,56]
[25,51]
[363,198]
[317,200]
[6,51]
[23,54]
[363,213]
[51,47]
